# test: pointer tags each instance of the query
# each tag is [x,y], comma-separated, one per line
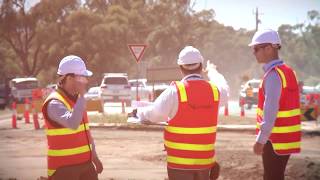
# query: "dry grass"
[122,119]
[109,118]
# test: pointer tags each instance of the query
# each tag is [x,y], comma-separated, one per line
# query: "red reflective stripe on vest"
[199,138]
[289,137]
[193,129]
[65,146]
[190,154]
[63,142]
[178,166]
[55,162]
[289,100]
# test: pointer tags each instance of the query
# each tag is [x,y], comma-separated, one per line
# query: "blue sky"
[239,14]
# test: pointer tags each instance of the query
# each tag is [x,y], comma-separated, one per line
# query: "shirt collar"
[272,64]
[192,77]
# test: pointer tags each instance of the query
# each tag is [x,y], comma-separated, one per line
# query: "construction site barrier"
[14,116]
[123,108]
[21,108]
[226,110]
[95,105]
[26,110]
[242,111]
[35,116]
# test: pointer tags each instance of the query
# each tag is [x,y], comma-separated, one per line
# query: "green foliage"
[33,41]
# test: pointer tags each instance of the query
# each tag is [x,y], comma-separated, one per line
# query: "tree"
[27,31]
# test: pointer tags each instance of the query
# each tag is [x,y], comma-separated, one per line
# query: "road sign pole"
[137,50]
[137,93]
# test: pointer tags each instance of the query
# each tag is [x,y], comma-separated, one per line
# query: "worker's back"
[191,133]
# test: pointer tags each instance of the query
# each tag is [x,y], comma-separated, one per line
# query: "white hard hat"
[74,65]
[265,36]
[189,55]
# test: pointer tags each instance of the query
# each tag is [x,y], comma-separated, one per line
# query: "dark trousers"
[85,171]
[179,174]
[274,165]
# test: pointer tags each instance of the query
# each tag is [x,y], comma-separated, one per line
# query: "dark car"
[3,96]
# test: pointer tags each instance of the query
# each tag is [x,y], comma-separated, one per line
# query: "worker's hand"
[81,84]
[258,148]
[42,178]
[215,171]
[133,113]
[98,164]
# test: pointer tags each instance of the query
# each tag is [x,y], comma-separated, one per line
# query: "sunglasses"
[258,47]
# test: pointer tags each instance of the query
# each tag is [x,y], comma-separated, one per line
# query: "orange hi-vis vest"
[66,146]
[190,135]
[286,133]
[249,92]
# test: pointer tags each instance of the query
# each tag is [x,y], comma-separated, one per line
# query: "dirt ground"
[138,154]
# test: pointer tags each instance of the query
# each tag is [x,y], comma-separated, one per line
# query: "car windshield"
[134,84]
[255,84]
[26,85]
[115,80]
[93,90]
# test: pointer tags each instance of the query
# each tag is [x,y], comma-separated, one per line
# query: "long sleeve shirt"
[272,89]
[166,105]
[59,113]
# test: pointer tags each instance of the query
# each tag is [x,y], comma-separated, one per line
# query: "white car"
[93,93]
[116,88]
[144,91]
[22,88]
[157,88]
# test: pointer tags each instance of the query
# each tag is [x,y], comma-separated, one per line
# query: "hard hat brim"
[253,44]
[87,73]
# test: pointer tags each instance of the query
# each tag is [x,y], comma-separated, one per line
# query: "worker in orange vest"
[71,149]
[190,107]
[249,95]
[278,113]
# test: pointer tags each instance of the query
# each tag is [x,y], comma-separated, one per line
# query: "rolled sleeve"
[59,113]
[164,107]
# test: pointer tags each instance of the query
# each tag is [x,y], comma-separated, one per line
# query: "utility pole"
[256,13]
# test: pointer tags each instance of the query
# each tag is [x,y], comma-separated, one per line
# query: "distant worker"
[249,95]
[278,117]
[190,107]
[249,91]
[71,149]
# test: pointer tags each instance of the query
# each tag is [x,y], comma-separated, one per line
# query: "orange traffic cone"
[123,107]
[226,110]
[14,115]
[242,112]
[150,97]
[26,111]
[35,117]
